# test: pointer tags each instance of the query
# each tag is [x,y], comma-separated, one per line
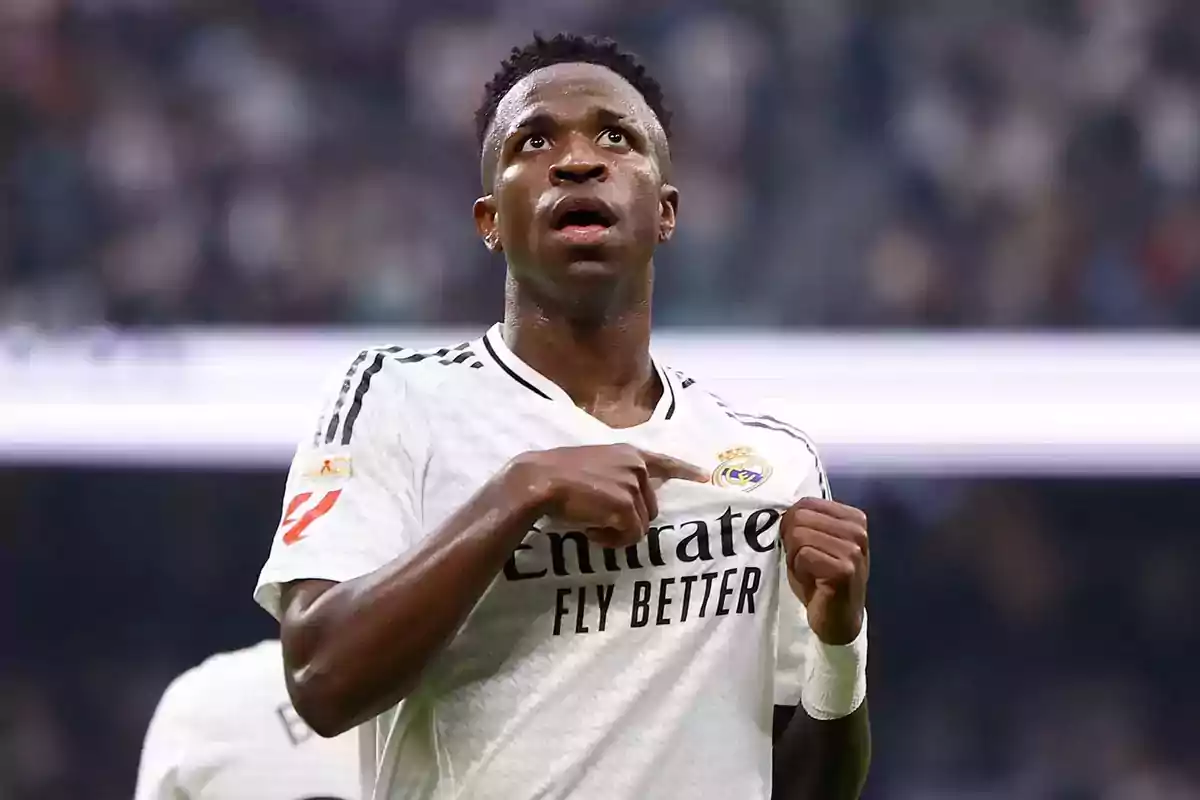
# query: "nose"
[578,165]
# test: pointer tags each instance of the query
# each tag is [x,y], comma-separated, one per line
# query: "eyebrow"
[544,120]
[537,120]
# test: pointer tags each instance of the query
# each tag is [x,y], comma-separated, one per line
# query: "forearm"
[820,759]
[355,649]
[823,745]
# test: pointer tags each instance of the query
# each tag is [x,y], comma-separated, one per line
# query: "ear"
[668,210]
[487,223]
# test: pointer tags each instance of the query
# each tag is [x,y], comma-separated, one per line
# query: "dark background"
[1030,638]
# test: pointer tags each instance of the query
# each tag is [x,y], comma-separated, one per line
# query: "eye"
[613,137]
[535,143]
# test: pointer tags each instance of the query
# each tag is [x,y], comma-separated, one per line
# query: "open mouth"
[583,214]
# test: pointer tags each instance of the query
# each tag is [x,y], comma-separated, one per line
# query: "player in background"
[226,730]
[586,576]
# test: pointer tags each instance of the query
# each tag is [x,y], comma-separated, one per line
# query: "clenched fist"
[828,559]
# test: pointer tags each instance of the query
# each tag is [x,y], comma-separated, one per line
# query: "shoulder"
[776,426]
[200,696]
[769,431]
[248,667]
[396,368]
[388,381]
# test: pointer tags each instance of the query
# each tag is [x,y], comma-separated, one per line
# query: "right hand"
[607,490]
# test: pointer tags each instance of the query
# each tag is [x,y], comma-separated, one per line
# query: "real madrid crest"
[741,468]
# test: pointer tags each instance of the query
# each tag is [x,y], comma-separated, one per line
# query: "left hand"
[828,560]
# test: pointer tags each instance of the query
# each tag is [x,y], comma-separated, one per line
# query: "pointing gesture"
[609,490]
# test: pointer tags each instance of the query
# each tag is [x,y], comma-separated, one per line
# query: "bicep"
[296,597]
[295,600]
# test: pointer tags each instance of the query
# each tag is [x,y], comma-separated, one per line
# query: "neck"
[602,361]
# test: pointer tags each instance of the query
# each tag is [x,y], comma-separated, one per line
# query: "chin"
[594,269]
[589,283]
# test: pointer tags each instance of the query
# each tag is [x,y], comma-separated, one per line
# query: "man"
[226,730]
[562,555]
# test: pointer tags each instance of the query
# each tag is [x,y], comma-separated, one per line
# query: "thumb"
[664,467]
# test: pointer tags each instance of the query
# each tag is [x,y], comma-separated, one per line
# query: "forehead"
[567,90]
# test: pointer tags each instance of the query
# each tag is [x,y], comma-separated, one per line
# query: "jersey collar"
[539,384]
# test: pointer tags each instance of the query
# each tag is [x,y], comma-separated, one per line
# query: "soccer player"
[226,730]
[586,576]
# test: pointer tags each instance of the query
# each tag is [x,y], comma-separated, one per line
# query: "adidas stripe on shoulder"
[339,429]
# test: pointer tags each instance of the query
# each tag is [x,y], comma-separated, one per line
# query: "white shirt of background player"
[226,730]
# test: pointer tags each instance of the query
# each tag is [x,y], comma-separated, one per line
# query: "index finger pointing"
[664,467]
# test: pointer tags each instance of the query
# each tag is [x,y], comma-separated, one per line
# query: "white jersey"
[583,673]
[226,730]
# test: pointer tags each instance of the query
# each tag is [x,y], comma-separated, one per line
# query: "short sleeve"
[352,499]
[793,632]
[169,742]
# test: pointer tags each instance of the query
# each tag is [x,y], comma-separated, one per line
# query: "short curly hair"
[568,48]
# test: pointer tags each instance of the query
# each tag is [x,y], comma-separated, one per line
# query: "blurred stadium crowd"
[943,163]
[948,164]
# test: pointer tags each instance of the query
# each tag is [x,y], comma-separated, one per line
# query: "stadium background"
[947,166]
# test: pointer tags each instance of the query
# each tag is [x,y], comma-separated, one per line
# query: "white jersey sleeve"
[351,503]
[793,633]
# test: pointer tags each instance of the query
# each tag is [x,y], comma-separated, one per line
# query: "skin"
[580,315]
[580,130]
